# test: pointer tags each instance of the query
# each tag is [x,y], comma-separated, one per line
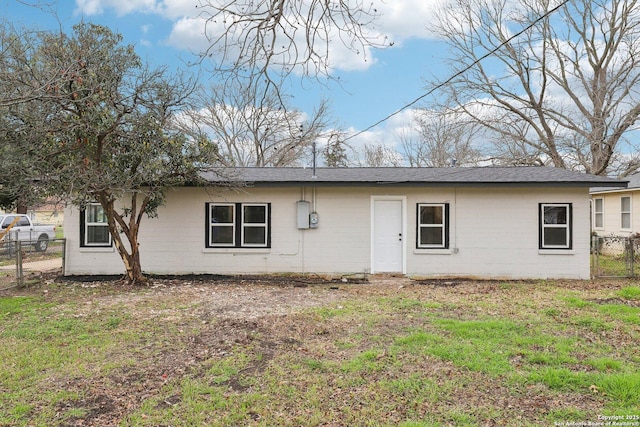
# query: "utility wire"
[459,73]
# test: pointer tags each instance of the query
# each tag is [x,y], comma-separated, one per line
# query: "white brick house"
[488,222]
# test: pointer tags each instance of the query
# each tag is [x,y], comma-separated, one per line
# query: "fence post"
[632,256]
[64,255]
[628,256]
[595,250]
[19,275]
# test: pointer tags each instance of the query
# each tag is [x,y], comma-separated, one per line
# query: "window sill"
[556,252]
[99,249]
[433,251]
[236,251]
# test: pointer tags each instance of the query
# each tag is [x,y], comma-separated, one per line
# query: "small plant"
[630,293]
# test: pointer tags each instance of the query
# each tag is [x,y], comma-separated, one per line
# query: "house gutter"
[272,184]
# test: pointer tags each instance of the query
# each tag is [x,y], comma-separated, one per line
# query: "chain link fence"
[615,256]
[22,261]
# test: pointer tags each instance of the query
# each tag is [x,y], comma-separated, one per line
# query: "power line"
[459,73]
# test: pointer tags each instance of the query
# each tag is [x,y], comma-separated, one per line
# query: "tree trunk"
[117,228]
[133,268]
[21,208]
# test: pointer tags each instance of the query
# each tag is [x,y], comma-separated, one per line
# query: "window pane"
[625,220]
[222,235]
[98,234]
[255,214]
[95,214]
[625,204]
[254,236]
[431,236]
[599,220]
[222,214]
[555,214]
[431,215]
[599,205]
[555,236]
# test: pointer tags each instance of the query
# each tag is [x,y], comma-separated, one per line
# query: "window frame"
[244,225]
[628,213]
[568,226]
[209,226]
[597,213]
[444,225]
[84,227]
[239,226]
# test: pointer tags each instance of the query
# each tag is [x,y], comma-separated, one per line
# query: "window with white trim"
[238,225]
[555,225]
[598,213]
[433,226]
[94,228]
[625,212]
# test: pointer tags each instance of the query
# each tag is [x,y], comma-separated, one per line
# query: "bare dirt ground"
[229,311]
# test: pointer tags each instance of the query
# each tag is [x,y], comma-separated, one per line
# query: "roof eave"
[413,184]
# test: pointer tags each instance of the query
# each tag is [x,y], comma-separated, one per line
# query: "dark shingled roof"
[490,175]
[633,183]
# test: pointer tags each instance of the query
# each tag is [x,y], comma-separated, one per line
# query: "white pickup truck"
[26,232]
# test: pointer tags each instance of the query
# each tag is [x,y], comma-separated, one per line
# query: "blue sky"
[166,32]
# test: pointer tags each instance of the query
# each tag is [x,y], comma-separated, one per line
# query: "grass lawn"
[244,352]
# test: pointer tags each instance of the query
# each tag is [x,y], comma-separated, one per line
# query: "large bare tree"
[556,82]
[377,155]
[442,139]
[272,38]
[252,126]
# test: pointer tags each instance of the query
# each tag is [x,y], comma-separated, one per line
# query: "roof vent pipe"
[314,160]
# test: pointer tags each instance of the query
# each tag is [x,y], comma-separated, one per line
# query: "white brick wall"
[493,234]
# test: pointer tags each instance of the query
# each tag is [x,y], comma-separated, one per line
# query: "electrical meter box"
[313,220]
[303,209]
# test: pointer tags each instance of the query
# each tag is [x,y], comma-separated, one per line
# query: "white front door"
[387,236]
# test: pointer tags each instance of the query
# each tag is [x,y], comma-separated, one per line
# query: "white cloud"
[388,133]
[188,34]
[176,9]
[121,7]
[407,19]
[89,7]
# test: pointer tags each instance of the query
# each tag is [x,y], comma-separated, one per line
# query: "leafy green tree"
[19,186]
[100,130]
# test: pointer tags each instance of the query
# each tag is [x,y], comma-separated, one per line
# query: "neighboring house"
[616,210]
[50,212]
[484,222]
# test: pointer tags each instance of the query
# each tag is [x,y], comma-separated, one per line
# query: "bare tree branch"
[267,40]
[253,126]
[565,91]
